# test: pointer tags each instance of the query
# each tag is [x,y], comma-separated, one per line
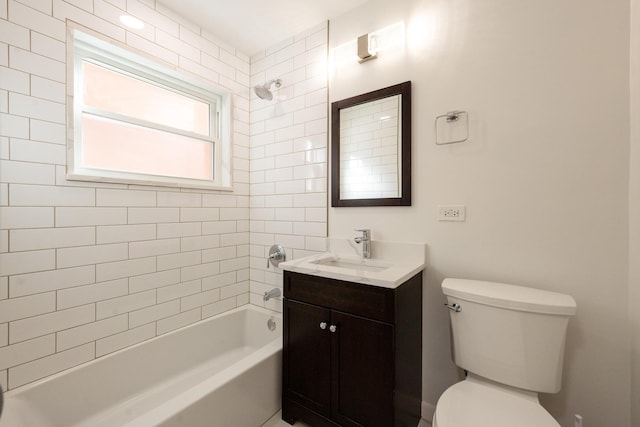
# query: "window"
[138,121]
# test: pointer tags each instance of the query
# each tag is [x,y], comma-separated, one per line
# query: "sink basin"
[352,264]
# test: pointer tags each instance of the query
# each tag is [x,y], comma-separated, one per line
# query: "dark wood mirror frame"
[402,89]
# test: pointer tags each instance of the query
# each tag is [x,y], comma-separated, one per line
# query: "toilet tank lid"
[512,297]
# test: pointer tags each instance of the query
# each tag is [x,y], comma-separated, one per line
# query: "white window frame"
[95,50]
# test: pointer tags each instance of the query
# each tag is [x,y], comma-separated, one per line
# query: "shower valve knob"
[276,255]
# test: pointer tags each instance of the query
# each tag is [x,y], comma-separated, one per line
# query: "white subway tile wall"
[288,157]
[90,268]
[87,269]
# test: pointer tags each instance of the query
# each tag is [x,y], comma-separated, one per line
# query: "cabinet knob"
[333,328]
[323,325]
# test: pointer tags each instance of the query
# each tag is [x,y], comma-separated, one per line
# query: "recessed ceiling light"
[132,22]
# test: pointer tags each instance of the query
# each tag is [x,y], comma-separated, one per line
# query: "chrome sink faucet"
[365,239]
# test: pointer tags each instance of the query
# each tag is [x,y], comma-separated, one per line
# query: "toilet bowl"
[510,341]
[476,402]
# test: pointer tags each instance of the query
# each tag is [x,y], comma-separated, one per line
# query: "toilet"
[510,342]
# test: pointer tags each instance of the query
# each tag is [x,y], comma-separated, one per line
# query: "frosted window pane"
[118,93]
[112,145]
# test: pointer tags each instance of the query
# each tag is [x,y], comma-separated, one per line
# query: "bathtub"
[224,371]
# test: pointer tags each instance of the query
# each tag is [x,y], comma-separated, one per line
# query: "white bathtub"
[224,371]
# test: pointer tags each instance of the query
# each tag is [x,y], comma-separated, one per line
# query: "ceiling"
[252,26]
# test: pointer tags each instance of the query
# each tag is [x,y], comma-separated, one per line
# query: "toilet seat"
[476,403]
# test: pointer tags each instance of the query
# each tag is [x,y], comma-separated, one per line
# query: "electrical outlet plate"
[452,213]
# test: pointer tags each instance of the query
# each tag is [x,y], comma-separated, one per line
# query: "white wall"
[86,269]
[544,175]
[288,156]
[634,213]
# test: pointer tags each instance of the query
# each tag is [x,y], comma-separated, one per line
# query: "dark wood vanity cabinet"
[352,352]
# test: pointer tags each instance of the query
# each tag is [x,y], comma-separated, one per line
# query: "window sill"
[151,181]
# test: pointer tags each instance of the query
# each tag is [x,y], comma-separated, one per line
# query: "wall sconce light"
[368,46]
[364,54]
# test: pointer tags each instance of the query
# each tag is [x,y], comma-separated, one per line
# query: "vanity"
[352,353]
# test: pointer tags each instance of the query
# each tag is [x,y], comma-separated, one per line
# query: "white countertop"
[395,262]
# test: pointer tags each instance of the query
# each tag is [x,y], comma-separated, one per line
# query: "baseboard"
[427,411]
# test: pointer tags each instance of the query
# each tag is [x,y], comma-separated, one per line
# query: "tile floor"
[276,421]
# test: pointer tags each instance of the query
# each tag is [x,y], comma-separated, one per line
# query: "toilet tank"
[510,334]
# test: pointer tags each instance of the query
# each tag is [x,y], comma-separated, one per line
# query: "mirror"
[371,148]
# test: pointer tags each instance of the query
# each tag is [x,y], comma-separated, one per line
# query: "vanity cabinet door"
[307,356]
[362,371]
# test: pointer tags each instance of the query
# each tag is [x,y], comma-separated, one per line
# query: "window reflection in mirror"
[371,148]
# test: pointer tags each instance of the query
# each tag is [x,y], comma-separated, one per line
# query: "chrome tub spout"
[273,293]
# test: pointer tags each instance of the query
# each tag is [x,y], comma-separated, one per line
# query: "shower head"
[264,91]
